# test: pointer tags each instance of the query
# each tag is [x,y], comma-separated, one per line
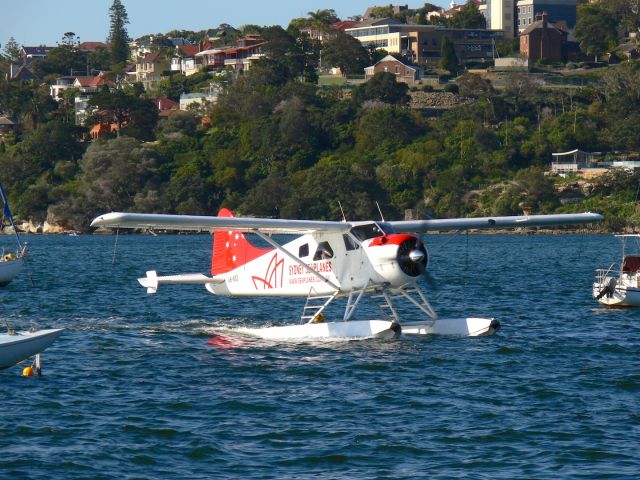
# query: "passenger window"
[303,251]
[323,252]
[350,243]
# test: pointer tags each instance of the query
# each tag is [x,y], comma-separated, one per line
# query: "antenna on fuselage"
[344,218]
[379,210]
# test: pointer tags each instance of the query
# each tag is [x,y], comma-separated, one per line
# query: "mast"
[7,212]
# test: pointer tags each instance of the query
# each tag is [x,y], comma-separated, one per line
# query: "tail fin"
[231,249]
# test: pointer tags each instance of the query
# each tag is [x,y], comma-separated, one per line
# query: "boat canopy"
[631,264]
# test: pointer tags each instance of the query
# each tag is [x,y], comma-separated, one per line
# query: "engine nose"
[416,256]
[412,256]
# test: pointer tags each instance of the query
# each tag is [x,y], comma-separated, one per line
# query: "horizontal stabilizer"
[152,281]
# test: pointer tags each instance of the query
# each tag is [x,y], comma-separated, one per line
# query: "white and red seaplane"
[328,261]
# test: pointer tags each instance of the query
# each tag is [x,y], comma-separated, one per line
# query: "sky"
[44,22]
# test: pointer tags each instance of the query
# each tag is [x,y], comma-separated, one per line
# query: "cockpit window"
[323,252]
[364,232]
[350,243]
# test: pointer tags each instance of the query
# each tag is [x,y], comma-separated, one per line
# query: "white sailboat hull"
[9,270]
[22,345]
[622,296]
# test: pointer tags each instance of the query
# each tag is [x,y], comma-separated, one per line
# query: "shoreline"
[505,231]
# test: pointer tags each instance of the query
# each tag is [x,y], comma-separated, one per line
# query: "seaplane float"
[329,260]
[619,285]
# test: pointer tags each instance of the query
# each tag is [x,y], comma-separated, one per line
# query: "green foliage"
[12,51]
[468,17]
[134,115]
[118,36]
[276,144]
[448,60]
[114,173]
[383,87]
[596,29]
[345,52]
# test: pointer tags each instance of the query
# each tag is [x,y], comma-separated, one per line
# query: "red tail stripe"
[231,249]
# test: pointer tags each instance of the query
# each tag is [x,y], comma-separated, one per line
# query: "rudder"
[231,249]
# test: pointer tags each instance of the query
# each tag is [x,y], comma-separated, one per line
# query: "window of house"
[397,70]
[323,252]
[303,251]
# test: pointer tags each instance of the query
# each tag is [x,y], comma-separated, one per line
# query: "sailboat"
[11,263]
[16,347]
[619,285]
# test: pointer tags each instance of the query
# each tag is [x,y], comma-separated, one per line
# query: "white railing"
[603,273]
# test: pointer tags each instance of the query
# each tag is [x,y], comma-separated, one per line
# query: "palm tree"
[321,19]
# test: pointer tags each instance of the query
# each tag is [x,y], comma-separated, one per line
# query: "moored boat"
[619,285]
[18,346]
[10,263]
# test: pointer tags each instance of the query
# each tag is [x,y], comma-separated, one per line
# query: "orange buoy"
[27,371]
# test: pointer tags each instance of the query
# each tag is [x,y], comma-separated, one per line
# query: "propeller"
[412,257]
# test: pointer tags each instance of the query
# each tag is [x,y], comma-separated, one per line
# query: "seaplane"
[327,262]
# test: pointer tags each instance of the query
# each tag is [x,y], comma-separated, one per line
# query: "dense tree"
[118,36]
[345,52]
[65,59]
[134,116]
[468,17]
[383,87]
[12,51]
[382,12]
[323,18]
[114,174]
[448,58]
[595,29]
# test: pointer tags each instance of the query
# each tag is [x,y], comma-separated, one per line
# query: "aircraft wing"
[417,226]
[206,224]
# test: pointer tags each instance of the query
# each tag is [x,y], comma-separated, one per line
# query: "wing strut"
[277,246]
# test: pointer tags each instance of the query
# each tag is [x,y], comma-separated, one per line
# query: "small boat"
[619,285]
[18,346]
[10,263]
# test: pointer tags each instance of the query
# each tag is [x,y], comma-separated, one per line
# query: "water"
[136,389]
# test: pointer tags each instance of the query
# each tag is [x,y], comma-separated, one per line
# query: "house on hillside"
[24,73]
[544,39]
[151,68]
[238,57]
[29,54]
[8,125]
[166,106]
[92,46]
[60,85]
[184,58]
[102,131]
[403,70]
[423,43]
[195,99]
[322,35]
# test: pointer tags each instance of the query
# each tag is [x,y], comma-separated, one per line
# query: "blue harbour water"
[136,388]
